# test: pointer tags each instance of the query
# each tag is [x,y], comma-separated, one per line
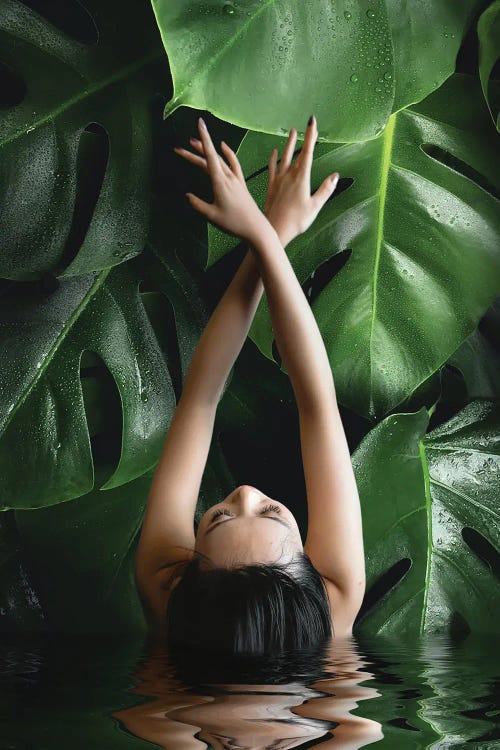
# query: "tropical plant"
[108,280]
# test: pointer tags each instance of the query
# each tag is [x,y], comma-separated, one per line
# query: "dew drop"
[387,75]
[354,78]
[371,13]
[347,15]
[228,8]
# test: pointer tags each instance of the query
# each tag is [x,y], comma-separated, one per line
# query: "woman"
[246,583]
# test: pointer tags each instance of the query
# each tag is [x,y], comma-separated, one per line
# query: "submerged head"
[249,587]
[248,527]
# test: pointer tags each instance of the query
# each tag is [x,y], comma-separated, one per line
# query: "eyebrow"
[222,523]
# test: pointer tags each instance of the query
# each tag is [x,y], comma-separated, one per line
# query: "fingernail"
[193,140]
[334,177]
[310,120]
[202,122]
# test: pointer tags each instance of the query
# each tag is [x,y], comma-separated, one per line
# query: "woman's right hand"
[289,205]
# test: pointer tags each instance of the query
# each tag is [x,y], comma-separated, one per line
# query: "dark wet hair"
[254,609]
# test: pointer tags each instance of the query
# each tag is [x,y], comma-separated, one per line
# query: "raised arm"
[334,538]
[167,534]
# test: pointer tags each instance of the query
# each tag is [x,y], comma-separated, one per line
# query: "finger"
[211,155]
[192,158]
[288,151]
[233,160]
[199,146]
[305,158]
[325,190]
[207,209]
[272,165]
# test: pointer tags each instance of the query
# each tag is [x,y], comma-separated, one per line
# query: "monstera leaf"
[488,31]
[421,221]
[43,424]
[83,555]
[267,66]
[430,522]
[83,551]
[75,136]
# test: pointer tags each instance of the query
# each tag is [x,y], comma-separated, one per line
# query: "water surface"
[123,692]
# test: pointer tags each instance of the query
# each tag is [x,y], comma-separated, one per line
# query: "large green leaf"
[488,31]
[267,65]
[43,425]
[430,522]
[83,552]
[421,217]
[75,137]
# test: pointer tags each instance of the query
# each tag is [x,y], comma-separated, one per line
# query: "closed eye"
[224,511]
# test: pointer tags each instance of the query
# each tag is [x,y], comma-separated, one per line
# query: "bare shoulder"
[341,610]
[154,595]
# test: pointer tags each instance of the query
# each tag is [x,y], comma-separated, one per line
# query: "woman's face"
[247,533]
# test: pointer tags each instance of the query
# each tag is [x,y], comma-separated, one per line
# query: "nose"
[247,496]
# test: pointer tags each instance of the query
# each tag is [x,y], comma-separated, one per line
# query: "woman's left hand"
[234,210]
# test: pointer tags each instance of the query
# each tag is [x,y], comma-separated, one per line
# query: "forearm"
[297,335]
[225,333]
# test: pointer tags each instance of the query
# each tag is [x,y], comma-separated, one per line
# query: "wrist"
[283,231]
[260,229]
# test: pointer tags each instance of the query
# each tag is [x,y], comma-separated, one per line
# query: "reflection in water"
[256,716]
[123,694]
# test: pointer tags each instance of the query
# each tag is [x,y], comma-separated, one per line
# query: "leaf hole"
[12,86]
[383,585]
[483,549]
[70,16]
[452,161]
[402,723]
[93,149]
[489,324]
[410,694]
[323,274]
[103,409]
[342,184]
[458,627]
[161,316]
